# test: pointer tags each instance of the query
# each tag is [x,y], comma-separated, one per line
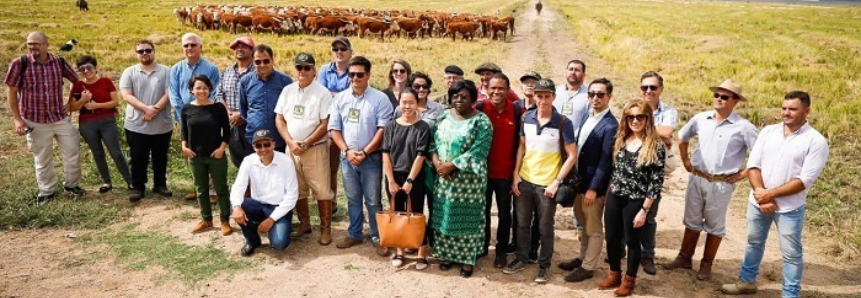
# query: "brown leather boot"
[304,218]
[712,245]
[627,287]
[613,280]
[201,226]
[325,210]
[689,245]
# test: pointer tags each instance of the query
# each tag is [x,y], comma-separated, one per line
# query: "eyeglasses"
[596,94]
[723,97]
[262,145]
[645,88]
[144,51]
[34,44]
[262,62]
[189,45]
[638,117]
[336,49]
[85,68]
[357,75]
[399,70]
[304,67]
[418,86]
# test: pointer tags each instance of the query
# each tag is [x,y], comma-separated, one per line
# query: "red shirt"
[40,98]
[101,91]
[500,159]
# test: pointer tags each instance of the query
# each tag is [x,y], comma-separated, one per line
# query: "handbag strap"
[392,202]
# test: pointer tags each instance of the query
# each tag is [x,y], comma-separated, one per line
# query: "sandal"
[398,261]
[105,188]
[422,264]
[445,266]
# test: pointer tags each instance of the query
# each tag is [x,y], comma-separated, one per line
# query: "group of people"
[452,155]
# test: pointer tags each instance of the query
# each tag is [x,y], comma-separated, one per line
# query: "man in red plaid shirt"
[35,97]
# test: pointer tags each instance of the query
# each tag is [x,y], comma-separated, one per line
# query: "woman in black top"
[405,146]
[204,143]
[637,178]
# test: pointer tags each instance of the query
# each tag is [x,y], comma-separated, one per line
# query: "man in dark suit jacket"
[595,140]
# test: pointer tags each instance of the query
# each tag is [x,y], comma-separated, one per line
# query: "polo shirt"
[503,147]
[228,90]
[573,104]
[543,157]
[357,116]
[329,77]
[721,147]
[304,108]
[800,155]
[257,100]
[40,97]
[180,73]
[273,184]
[148,88]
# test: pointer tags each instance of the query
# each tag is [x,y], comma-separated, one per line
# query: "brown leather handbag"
[401,229]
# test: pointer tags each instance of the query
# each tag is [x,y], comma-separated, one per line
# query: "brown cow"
[485,22]
[267,22]
[496,27]
[510,21]
[373,25]
[241,21]
[464,28]
[331,24]
[409,26]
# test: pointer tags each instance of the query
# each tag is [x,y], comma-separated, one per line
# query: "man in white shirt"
[785,161]
[571,98]
[274,192]
[302,115]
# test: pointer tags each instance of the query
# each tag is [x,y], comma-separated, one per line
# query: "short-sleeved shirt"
[800,155]
[405,143]
[181,73]
[358,116]
[430,114]
[40,96]
[503,147]
[329,77]
[665,115]
[573,104]
[542,160]
[148,88]
[101,90]
[257,100]
[228,90]
[304,108]
[721,147]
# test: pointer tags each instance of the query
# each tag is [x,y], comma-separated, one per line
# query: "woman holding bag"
[405,146]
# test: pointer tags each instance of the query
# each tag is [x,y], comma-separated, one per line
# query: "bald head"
[37,44]
[37,35]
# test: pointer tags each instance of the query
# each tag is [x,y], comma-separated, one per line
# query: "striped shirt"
[40,97]
[228,89]
[543,157]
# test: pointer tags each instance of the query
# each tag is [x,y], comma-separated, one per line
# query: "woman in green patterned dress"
[459,151]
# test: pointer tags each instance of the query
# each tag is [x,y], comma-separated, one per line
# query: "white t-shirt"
[303,109]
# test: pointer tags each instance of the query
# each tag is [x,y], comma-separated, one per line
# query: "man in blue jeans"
[274,192]
[783,164]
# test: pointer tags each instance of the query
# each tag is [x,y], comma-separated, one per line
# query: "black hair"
[653,74]
[361,61]
[146,41]
[577,61]
[501,76]
[201,78]
[263,48]
[800,95]
[468,85]
[410,91]
[605,82]
[86,59]
[420,75]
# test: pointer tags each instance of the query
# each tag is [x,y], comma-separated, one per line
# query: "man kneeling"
[274,192]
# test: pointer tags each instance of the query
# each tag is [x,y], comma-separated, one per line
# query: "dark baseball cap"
[488,66]
[343,40]
[530,75]
[545,85]
[454,69]
[304,59]
[263,134]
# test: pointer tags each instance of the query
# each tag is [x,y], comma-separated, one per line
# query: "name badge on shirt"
[299,112]
[568,108]
[353,115]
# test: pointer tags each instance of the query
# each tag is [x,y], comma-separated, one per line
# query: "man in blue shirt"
[334,76]
[356,123]
[258,95]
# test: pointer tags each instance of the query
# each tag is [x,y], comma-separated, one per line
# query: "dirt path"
[44,263]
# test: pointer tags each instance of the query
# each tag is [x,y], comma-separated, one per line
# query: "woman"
[405,145]
[638,158]
[427,110]
[399,72]
[96,99]
[204,143]
[459,152]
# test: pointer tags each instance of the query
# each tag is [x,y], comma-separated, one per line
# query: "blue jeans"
[363,182]
[255,213]
[789,225]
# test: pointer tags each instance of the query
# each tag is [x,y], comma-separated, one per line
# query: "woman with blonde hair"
[399,74]
[638,175]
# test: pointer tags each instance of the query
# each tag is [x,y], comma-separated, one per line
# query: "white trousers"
[40,141]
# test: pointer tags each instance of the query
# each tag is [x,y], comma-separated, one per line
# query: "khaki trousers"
[592,235]
[40,141]
[312,172]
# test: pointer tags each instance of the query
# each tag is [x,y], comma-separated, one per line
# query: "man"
[665,117]
[335,77]
[258,95]
[527,86]
[453,73]
[272,178]
[724,138]
[302,116]
[35,98]
[228,93]
[485,71]
[785,161]
[595,141]
[184,70]
[148,123]
[505,117]
[571,99]
[358,116]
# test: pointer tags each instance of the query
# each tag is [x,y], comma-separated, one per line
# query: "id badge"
[568,108]
[299,112]
[353,115]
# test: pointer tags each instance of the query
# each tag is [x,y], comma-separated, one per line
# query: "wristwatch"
[409,180]
[560,180]
[302,146]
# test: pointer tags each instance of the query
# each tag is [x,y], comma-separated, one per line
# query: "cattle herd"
[345,21]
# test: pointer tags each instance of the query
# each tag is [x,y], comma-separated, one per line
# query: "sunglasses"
[596,94]
[723,97]
[189,45]
[638,117]
[645,88]
[144,51]
[417,87]
[262,145]
[304,67]
[336,49]
[358,75]
[262,62]
[401,70]
[84,68]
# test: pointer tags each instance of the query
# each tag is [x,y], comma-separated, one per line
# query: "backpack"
[25,61]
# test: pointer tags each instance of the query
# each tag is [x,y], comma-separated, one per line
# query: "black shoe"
[514,267]
[533,257]
[445,266]
[573,264]
[466,273]
[44,199]
[579,275]
[247,250]
[136,195]
[105,188]
[510,249]
[162,190]
[500,261]
[649,266]
[543,275]
[77,190]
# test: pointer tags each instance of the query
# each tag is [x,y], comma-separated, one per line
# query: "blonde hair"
[649,152]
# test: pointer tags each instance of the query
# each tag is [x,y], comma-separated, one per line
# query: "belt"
[710,177]
[317,143]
